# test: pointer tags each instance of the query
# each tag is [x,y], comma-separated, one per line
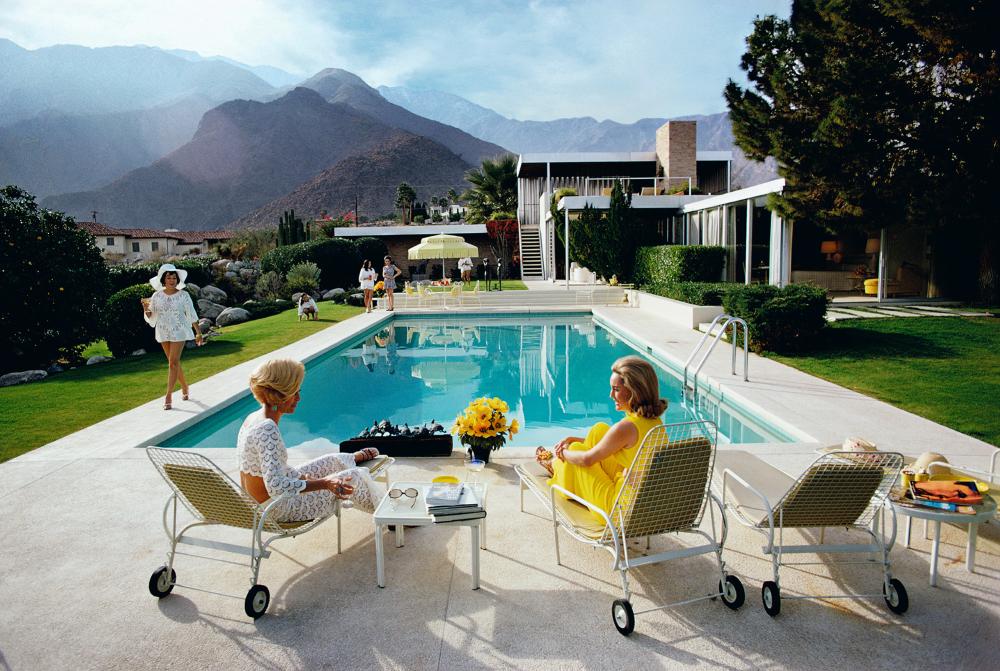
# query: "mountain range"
[244,154]
[156,138]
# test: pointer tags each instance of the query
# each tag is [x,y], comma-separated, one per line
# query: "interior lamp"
[873,246]
[829,247]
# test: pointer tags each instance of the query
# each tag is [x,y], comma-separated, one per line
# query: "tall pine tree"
[880,113]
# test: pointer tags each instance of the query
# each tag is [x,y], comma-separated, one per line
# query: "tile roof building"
[143,244]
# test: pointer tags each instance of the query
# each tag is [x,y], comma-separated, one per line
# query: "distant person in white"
[465,265]
[171,312]
[367,280]
[307,307]
[263,458]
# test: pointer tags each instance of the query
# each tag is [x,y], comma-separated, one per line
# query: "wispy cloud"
[540,59]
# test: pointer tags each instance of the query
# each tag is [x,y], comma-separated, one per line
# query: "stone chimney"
[677,152]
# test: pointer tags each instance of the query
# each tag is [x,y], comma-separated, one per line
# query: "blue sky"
[531,59]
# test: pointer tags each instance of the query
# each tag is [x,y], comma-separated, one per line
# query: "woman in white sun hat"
[171,312]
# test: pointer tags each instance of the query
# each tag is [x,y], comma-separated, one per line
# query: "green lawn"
[35,414]
[943,368]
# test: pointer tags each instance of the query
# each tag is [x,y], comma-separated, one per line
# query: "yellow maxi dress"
[600,483]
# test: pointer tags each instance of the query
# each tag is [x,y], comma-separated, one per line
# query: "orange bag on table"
[949,491]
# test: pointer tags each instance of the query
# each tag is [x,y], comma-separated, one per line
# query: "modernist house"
[142,244]
[767,250]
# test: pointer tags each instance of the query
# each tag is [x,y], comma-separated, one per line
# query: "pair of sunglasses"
[409,493]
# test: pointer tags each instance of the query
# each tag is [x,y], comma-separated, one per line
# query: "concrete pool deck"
[82,534]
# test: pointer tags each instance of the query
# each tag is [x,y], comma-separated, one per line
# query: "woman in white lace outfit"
[171,312]
[264,469]
[367,280]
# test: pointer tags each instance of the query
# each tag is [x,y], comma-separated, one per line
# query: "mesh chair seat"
[665,490]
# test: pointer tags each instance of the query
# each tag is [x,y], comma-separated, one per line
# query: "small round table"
[986,511]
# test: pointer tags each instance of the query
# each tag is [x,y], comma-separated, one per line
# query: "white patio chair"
[471,296]
[666,491]
[840,489]
[213,498]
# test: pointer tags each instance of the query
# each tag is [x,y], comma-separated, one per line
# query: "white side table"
[986,511]
[399,513]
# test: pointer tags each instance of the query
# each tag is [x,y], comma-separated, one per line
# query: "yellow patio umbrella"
[442,246]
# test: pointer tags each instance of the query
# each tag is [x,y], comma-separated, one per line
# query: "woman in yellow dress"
[593,467]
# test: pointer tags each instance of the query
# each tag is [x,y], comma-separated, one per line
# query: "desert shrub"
[270,286]
[54,284]
[785,319]
[337,258]
[373,249]
[669,264]
[236,289]
[124,328]
[266,308]
[303,277]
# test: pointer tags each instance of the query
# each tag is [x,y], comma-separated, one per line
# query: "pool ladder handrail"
[735,322]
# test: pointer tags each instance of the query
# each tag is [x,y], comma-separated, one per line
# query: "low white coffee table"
[400,513]
[986,511]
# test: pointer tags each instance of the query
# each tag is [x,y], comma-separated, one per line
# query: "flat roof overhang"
[413,229]
[589,163]
[574,203]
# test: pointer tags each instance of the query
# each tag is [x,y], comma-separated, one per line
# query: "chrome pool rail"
[735,322]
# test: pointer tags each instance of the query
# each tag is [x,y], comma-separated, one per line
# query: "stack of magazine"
[453,502]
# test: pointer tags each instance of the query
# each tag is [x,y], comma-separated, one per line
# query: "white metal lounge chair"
[471,296]
[840,489]
[666,491]
[213,498]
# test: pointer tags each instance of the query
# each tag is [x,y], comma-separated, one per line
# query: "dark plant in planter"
[785,319]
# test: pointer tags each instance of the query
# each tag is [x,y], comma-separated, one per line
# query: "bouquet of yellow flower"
[379,289]
[483,425]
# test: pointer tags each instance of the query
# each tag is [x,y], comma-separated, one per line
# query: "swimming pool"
[552,370]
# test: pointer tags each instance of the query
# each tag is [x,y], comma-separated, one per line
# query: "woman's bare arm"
[618,437]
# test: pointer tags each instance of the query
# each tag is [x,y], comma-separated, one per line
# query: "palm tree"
[405,195]
[494,190]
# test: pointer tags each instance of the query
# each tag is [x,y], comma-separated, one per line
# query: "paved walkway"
[81,527]
[841,311]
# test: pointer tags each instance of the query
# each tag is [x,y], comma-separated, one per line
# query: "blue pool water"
[553,372]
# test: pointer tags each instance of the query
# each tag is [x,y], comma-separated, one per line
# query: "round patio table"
[985,512]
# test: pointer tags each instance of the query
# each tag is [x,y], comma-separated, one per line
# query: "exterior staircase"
[531,254]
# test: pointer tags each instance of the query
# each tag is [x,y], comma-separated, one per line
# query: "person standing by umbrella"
[465,265]
[389,274]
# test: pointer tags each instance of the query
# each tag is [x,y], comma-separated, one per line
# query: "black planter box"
[403,446]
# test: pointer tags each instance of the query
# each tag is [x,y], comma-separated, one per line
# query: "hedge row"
[338,260]
[125,330]
[669,264]
[780,319]
[787,319]
[130,274]
[695,293]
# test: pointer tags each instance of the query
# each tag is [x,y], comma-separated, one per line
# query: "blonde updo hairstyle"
[639,378]
[276,380]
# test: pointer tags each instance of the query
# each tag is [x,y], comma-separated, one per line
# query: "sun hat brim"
[168,267]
